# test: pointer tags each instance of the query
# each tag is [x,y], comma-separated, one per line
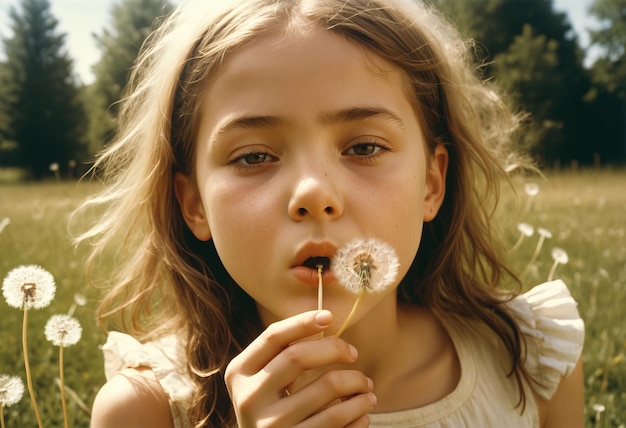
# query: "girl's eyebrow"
[360,113]
[352,114]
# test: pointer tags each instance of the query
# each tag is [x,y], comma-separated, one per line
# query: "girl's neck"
[407,353]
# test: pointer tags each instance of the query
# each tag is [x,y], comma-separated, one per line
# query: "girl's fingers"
[292,361]
[276,338]
[327,391]
[350,413]
[257,377]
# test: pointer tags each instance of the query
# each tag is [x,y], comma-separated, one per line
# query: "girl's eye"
[364,149]
[251,159]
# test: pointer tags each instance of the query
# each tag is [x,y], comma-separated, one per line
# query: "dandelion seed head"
[598,408]
[544,232]
[4,223]
[63,330]
[368,264]
[11,390]
[54,166]
[560,256]
[80,299]
[28,287]
[531,189]
[526,229]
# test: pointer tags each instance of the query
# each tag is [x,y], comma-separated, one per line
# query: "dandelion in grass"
[599,409]
[4,223]
[525,230]
[29,287]
[531,190]
[543,235]
[560,258]
[63,331]
[79,300]
[11,391]
[364,266]
[54,167]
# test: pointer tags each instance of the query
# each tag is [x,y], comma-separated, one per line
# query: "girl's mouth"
[314,262]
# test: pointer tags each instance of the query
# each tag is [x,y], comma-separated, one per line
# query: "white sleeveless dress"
[484,396]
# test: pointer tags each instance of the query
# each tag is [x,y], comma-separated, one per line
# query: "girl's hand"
[257,379]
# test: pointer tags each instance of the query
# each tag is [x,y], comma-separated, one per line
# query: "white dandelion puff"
[63,330]
[4,223]
[525,229]
[28,287]
[364,266]
[599,408]
[544,232]
[11,390]
[559,255]
[560,258]
[531,189]
[80,299]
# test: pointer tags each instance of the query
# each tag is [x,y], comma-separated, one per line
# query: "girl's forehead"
[293,51]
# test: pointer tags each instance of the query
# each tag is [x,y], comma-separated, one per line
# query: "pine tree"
[131,22]
[39,103]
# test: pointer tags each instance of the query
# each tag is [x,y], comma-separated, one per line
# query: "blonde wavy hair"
[166,281]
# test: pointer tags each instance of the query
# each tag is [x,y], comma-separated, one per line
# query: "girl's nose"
[314,199]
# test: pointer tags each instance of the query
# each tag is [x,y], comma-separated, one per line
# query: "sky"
[81,18]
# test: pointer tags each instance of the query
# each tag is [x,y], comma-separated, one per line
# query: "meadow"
[584,211]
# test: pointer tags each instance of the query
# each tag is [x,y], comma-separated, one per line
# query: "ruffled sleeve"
[548,317]
[166,358]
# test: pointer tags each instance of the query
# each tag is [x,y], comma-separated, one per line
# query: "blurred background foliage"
[576,111]
[577,117]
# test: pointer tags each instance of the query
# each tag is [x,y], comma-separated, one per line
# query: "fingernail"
[372,399]
[323,317]
[370,384]
[353,352]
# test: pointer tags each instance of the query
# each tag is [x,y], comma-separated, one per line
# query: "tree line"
[574,113]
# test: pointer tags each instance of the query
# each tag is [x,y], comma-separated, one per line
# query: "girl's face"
[307,141]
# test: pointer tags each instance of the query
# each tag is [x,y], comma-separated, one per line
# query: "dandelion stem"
[519,242]
[536,253]
[29,380]
[351,314]
[529,201]
[2,416]
[62,386]
[320,292]
[552,270]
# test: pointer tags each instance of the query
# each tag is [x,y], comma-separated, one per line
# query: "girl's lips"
[309,276]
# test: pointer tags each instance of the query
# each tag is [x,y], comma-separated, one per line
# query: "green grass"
[586,213]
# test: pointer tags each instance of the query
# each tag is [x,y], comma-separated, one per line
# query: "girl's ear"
[191,207]
[435,182]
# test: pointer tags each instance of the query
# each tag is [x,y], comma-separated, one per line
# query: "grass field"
[585,212]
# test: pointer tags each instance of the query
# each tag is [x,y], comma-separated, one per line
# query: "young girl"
[258,138]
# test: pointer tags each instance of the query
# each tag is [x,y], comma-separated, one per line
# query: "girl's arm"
[566,408]
[134,398]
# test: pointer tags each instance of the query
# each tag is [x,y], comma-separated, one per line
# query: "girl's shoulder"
[154,370]
[548,317]
[131,398]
